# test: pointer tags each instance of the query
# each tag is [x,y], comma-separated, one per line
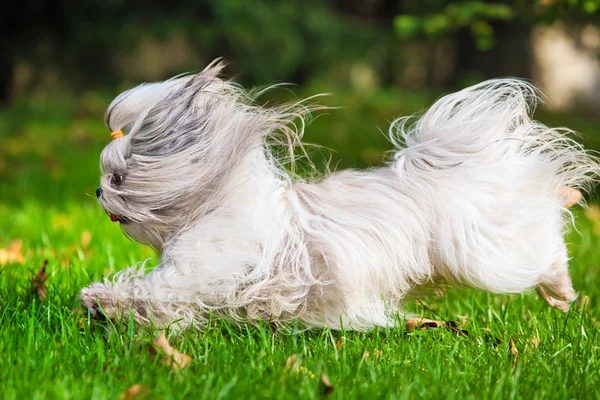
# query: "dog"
[474,193]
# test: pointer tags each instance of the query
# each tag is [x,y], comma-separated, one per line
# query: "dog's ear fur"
[177,121]
[131,104]
[127,108]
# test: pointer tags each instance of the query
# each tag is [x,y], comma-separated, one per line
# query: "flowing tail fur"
[493,180]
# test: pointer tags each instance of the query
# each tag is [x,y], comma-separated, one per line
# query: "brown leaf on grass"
[173,359]
[496,341]
[12,253]
[455,327]
[86,237]
[38,285]
[135,391]
[514,353]
[339,344]
[535,342]
[293,363]
[584,302]
[513,348]
[81,321]
[422,324]
[377,353]
[327,387]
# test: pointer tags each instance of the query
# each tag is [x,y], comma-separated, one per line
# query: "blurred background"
[63,62]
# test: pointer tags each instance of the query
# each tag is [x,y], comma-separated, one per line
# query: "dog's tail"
[489,126]
[492,184]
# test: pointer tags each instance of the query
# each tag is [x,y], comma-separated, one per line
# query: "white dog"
[476,193]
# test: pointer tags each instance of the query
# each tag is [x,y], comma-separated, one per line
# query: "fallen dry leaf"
[496,341]
[328,388]
[174,359]
[86,237]
[79,317]
[584,302]
[377,353]
[455,327]
[135,391]
[514,353]
[12,253]
[535,342]
[293,363]
[422,324]
[38,285]
[339,344]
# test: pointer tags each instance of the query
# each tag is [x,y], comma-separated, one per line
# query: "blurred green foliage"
[94,44]
[434,19]
[79,46]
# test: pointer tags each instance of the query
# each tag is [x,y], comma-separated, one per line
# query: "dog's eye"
[116,179]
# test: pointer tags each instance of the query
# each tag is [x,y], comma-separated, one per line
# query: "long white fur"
[470,196]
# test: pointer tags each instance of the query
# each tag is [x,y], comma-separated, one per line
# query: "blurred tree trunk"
[510,55]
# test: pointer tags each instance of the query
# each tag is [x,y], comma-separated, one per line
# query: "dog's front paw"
[113,302]
[97,301]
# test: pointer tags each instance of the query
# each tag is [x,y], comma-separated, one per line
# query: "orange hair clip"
[116,134]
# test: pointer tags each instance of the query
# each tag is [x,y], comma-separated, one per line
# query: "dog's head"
[183,140]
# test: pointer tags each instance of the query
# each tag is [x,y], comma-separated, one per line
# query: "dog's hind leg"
[556,287]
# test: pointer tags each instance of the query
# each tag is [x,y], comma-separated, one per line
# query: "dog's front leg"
[148,298]
[166,297]
[116,299]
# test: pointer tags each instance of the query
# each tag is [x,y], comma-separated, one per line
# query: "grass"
[510,347]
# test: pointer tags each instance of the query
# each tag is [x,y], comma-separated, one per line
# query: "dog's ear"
[124,110]
[132,104]
[180,119]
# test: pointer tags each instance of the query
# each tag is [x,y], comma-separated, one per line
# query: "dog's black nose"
[99,192]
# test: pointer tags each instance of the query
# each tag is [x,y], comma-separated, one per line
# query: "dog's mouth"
[117,218]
